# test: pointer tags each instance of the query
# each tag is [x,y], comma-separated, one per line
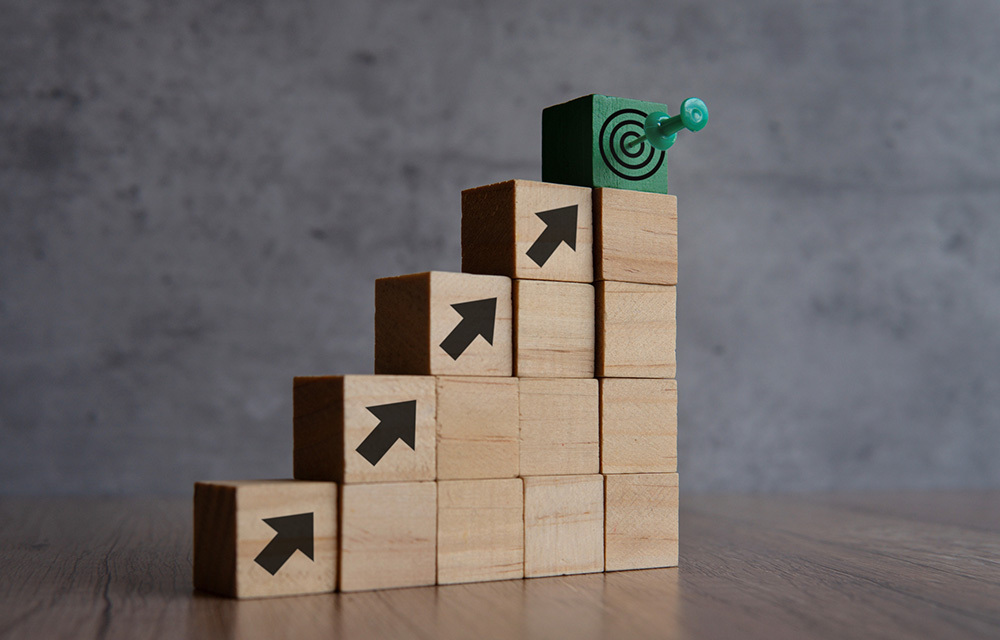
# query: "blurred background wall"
[196,196]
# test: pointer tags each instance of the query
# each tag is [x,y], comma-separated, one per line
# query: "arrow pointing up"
[397,421]
[560,226]
[478,319]
[295,533]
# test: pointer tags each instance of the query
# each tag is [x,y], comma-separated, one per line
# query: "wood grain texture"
[477,428]
[403,324]
[553,329]
[230,532]
[640,521]
[331,419]
[563,525]
[636,330]
[480,530]
[388,535]
[879,565]
[414,314]
[500,225]
[638,425]
[635,236]
[560,426]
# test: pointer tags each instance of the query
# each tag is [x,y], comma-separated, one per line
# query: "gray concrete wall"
[196,196]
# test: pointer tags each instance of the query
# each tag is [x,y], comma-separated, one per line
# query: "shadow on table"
[581,607]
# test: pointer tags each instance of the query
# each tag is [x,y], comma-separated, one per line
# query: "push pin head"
[661,130]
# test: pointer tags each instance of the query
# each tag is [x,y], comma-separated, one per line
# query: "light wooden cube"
[636,330]
[526,229]
[641,525]
[364,428]
[443,324]
[560,426]
[480,533]
[638,425]
[553,329]
[477,428]
[265,538]
[563,525]
[388,535]
[635,236]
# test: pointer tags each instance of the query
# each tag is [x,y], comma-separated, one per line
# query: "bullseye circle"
[630,163]
[626,140]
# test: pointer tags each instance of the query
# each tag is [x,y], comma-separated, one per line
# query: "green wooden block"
[585,142]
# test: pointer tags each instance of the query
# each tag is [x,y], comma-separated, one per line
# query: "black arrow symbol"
[560,226]
[397,421]
[478,318]
[295,533]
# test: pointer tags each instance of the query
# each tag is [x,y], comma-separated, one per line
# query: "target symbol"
[619,150]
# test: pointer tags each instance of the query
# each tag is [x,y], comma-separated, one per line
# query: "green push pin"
[661,130]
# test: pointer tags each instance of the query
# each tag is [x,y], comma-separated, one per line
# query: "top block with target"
[439,323]
[600,141]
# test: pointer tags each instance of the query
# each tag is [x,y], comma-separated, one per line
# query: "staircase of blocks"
[521,420]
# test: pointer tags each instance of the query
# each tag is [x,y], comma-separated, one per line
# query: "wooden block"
[635,236]
[480,530]
[477,428]
[587,142]
[443,324]
[553,329]
[265,538]
[636,330]
[526,229]
[388,535]
[364,428]
[563,525]
[560,426]
[641,521]
[638,425]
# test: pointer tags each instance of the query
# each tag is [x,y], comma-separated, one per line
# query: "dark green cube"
[585,143]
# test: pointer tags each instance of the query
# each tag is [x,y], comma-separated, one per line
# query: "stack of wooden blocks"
[521,421]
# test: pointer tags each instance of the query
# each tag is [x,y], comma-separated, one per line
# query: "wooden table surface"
[829,566]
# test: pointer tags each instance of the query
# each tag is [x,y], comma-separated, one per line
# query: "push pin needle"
[661,130]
